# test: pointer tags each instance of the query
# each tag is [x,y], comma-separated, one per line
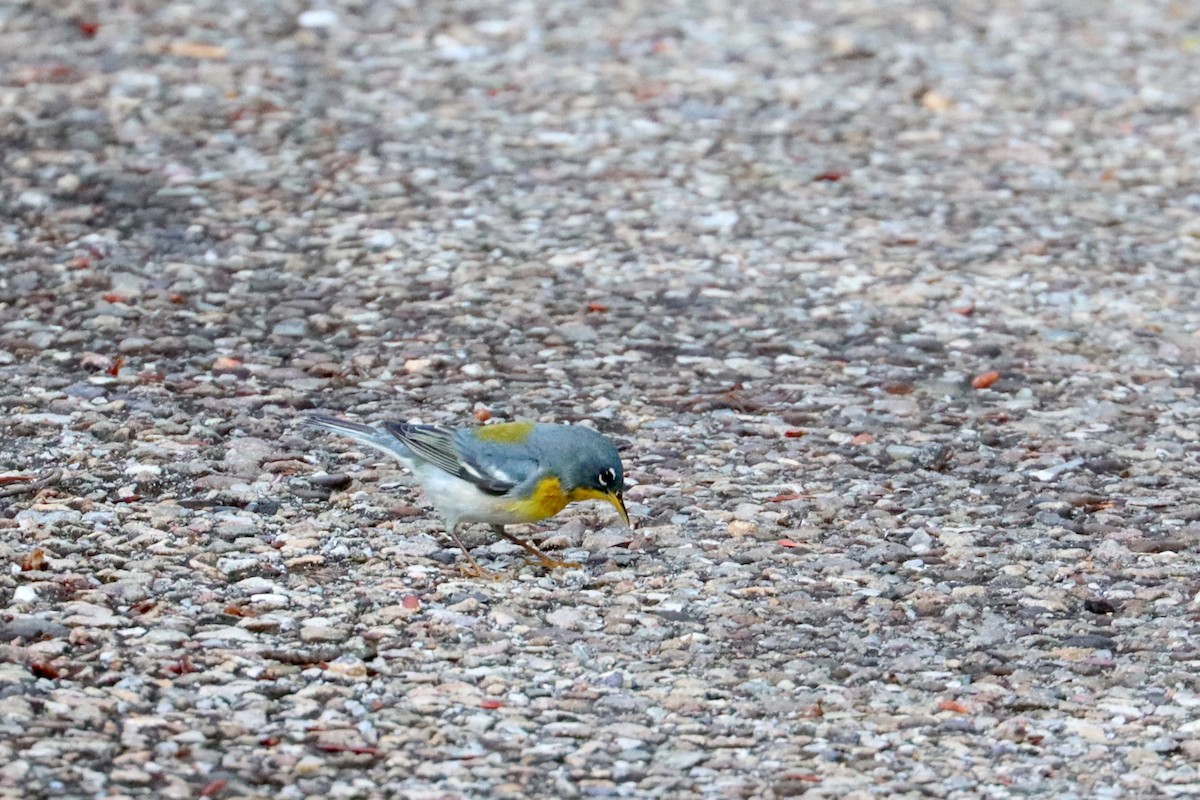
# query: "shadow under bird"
[503,474]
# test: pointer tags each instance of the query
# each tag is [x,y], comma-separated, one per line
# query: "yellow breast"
[547,500]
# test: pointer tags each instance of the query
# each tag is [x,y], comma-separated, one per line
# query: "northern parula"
[502,474]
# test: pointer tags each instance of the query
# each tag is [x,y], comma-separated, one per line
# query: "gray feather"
[442,448]
[363,434]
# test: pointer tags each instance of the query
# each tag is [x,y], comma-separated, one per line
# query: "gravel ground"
[893,306]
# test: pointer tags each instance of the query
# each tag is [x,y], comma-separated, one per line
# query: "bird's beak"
[618,501]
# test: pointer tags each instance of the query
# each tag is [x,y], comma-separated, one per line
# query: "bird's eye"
[606,477]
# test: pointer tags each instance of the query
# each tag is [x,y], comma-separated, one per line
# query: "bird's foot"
[535,554]
[473,570]
[543,560]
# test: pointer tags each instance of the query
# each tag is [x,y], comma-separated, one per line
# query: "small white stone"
[744,366]
[721,221]
[564,617]
[309,765]
[67,183]
[270,600]
[474,370]
[318,18]
[417,364]
[450,49]
[740,528]
[33,198]
[290,327]
[380,240]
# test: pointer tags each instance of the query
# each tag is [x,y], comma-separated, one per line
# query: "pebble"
[236,567]
[565,617]
[347,667]
[603,539]
[379,241]
[577,332]
[33,199]
[323,633]
[85,391]
[290,327]
[30,628]
[48,517]
[337,481]
[318,18]
[308,765]
[244,456]
[739,528]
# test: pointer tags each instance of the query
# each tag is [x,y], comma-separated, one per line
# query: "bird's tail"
[363,434]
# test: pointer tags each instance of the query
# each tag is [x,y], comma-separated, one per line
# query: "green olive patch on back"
[505,432]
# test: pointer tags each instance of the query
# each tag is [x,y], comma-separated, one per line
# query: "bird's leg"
[542,559]
[475,571]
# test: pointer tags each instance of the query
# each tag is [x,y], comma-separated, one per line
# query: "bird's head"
[591,469]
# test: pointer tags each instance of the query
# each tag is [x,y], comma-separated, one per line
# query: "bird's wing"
[462,456]
[429,443]
[495,467]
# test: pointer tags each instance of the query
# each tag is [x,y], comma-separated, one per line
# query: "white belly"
[461,501]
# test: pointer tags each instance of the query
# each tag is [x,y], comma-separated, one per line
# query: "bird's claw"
[552,563]
[473,570]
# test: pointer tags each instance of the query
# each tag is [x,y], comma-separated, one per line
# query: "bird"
[501,474]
